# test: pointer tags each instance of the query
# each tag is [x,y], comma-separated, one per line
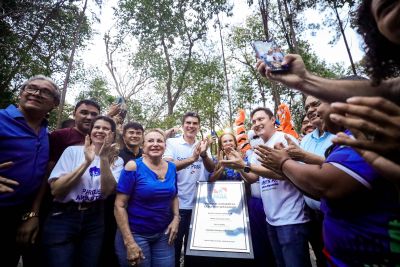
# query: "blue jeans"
[154,247]
[72,237]
[290,244]
[183,233]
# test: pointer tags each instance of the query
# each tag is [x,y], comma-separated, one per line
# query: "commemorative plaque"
[220,224]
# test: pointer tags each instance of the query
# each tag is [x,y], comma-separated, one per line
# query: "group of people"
[78,196]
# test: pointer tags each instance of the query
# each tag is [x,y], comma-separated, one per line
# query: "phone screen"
[271,54]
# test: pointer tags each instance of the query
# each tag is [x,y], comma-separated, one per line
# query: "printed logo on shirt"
[88,195]
[94,171]
[268,184]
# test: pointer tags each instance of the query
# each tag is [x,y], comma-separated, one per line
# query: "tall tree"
[339,27]
[35,38]
[130,79]
[170,29]
[228,92]
[75,44]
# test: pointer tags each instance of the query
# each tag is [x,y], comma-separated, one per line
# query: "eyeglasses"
[313,104]
[43,92]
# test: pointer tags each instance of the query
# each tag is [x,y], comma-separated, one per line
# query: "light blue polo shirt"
[316,144]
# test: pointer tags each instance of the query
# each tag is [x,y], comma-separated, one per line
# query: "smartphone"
[271,54]
[120,100]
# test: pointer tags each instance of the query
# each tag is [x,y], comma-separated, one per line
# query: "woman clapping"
[81,179]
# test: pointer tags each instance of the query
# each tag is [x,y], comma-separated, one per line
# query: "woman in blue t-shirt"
[146,207]
[226,142]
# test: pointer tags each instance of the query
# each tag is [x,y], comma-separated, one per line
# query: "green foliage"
[66,114]
[167,32]
[36,38]
[99,92]
[206,90]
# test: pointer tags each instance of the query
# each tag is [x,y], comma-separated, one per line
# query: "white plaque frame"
[219,225]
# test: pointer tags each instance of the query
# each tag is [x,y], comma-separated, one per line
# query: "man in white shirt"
[193,163]
[287,222]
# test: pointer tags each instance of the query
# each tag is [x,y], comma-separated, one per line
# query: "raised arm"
[207,161]
[64,184]
[324,180]
[298,77]
[107,179]
[236,162]
[299,154]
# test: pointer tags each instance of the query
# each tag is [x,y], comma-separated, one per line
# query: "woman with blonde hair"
[226,144]
[146,207]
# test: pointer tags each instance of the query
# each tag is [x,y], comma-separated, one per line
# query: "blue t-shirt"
[149,206]
[363,228]
[27,150]
[230,175]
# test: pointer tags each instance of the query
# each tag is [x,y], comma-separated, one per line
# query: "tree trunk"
[264,4]
[345,39]
[71,61]
[275,96]
[285,31]
[4,84]
[226,77]
[289,18]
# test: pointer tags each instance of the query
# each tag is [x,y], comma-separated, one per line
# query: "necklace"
[158,171]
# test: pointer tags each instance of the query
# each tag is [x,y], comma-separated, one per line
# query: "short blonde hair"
[155,130]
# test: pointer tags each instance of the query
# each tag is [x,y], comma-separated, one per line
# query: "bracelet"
[179,217]
[283,162]
[28,215]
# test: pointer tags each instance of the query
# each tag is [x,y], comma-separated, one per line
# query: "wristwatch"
[28,215]
[247,168]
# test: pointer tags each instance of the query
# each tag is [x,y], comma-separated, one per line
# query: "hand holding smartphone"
[271,54]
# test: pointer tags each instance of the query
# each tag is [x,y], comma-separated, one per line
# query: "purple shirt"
[360,229]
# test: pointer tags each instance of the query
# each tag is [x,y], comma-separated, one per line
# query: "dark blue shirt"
[149,206]
[29,152]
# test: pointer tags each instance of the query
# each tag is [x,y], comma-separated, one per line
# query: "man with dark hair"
[24,147]
[132,136]
[284,207]
[193,162]
[84,112]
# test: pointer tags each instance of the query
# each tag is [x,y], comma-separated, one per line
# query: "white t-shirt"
[283,202]
[179,149]
[88,189]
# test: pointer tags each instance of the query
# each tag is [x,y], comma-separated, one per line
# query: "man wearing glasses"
[24,147]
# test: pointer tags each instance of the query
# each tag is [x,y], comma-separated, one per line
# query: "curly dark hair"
[382,56]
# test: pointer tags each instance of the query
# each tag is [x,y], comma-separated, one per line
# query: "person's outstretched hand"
[6,183]
[293,78]
[374,122]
